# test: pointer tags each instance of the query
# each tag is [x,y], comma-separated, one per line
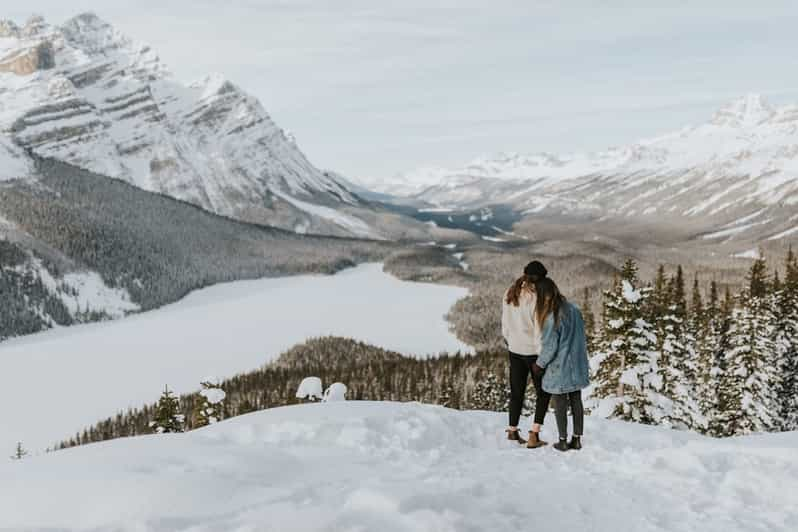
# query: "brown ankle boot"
[515,435]
[535,441]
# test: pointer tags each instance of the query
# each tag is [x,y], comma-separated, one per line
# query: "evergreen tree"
[758,279]
[677,363]
[589,319]
[786,338]
[678,295]
[659,300]
[167,414]
[708,332]
[19,452]
[210,407]
[627,380]
[749,384]
[698,316]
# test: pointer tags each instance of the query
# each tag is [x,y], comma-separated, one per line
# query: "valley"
[221,330]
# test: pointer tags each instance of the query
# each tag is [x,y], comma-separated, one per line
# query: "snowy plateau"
[221,330]
[367,466]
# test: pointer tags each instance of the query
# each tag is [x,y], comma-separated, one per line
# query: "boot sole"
[538,446]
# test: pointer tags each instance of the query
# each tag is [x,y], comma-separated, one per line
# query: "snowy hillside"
[405,467]
[742,163]
[86,94]
[221,330]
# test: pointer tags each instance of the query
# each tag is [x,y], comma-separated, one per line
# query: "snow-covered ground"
[62,380]
[359,466]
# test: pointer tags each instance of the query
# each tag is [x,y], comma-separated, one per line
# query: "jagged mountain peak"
[35,25]
[750,110]
[93,35]
[214,84]
[87,94]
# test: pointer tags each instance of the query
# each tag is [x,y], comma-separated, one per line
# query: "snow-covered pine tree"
[311,389]
[627,384]
[19,452]
[167,416]
[786,338]
[589,319]
[705,328]
[210,405]
[719,316]
[748,388]
[677,362]
[698,316]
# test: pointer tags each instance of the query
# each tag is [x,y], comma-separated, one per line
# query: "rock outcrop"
[29,60]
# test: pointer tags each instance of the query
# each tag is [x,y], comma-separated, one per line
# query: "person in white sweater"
[522,334]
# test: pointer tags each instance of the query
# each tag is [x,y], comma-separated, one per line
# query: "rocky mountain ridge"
[732,177]
[86,94]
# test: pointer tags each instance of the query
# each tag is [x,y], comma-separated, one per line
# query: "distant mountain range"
[86,94]
[737,173]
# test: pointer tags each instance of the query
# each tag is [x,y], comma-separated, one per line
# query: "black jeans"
[520,368]
[561,404]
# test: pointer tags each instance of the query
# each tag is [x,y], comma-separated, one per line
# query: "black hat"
[536,269]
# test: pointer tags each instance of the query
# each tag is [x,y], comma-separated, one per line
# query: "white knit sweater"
[519,326]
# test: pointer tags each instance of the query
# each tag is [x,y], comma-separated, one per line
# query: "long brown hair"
[550,301]
[525,282]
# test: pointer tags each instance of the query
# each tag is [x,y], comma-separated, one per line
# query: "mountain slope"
[403,467]
[736,172]
[140,249]
[86,94]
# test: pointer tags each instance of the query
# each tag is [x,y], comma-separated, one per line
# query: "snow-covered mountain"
[404,467]
[739,169]
[84,93]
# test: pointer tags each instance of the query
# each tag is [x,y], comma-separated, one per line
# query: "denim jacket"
[564,352]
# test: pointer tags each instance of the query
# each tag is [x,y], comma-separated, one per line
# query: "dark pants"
[520,368]
[561,404]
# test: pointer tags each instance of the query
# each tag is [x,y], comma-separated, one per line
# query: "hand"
[537,370]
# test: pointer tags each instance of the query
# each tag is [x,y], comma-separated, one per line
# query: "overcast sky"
[376,87]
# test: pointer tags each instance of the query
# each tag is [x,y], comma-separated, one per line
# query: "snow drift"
[397,467]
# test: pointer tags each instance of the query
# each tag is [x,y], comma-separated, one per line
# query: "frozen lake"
[59,381]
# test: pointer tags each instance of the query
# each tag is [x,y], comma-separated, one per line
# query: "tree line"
[721,364]
[370,374]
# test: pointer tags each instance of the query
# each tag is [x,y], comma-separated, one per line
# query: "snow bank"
[405,467]
[72,377]
[310,388]
[336,392]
